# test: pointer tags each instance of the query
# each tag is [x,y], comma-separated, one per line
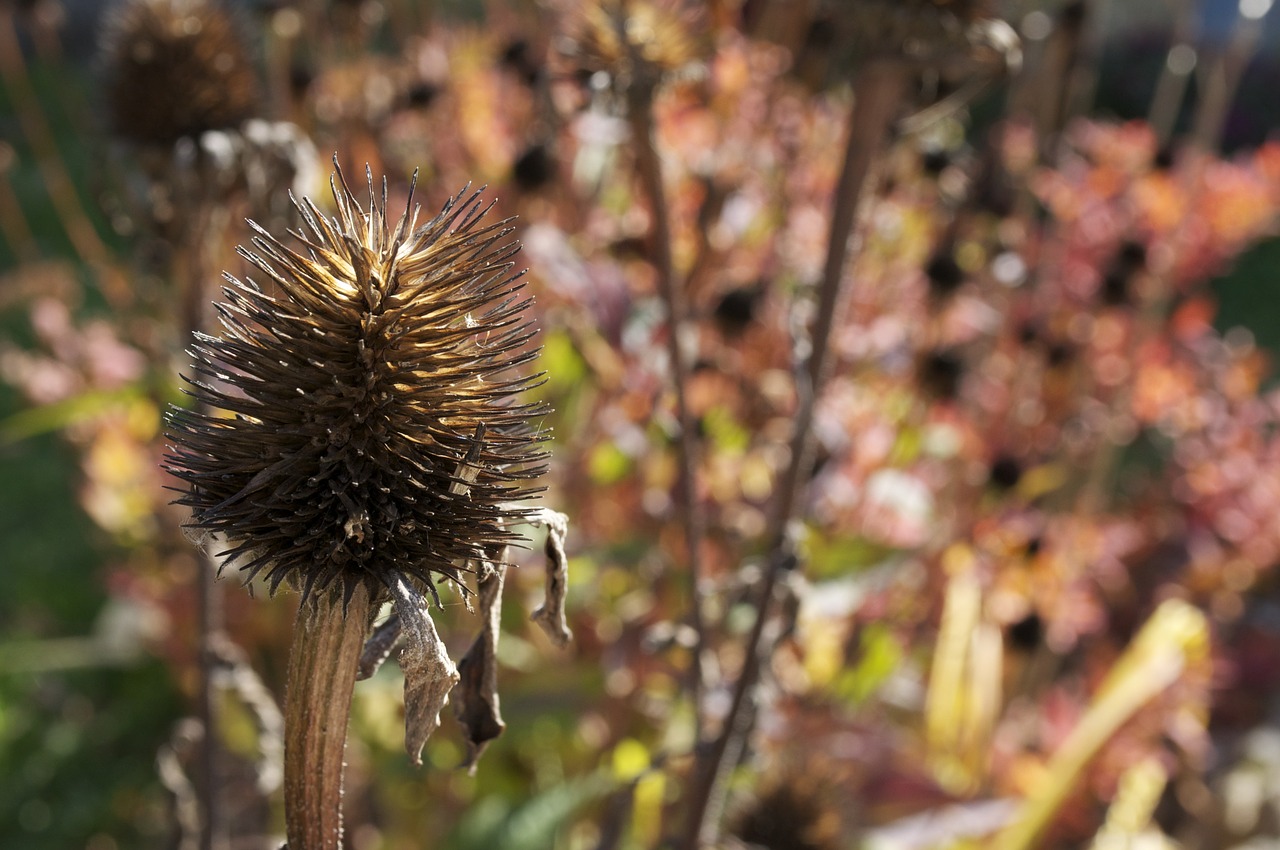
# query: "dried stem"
[1171,90]
[327,641]
[649,168]
[213,828]
[1082,84]
[189,267]
[1221,81]
[14,228]
[878,91]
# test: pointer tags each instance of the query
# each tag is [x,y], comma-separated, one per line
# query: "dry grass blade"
[1176,635]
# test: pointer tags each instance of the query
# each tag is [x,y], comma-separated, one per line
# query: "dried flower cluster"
[375,436]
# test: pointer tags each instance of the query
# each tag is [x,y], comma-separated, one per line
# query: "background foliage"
[1051,425]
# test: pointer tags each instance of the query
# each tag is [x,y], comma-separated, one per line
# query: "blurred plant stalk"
[878,92]
[649,167]
[62,193]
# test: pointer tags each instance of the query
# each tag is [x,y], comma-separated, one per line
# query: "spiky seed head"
[365,423]
[176,68]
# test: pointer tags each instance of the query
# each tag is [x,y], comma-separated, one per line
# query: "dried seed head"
[792,813]
[363,425]
[637,40]
[176,68]
[919,29]
[829,39]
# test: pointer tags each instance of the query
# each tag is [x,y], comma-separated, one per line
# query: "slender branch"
[14,228]
[1222,80]
[878,91]
[1082,84]
[189,264]
[649,168]
[327,641]
[213,826]
[1171,90]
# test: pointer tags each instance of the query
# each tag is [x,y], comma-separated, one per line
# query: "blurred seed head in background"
[177,68]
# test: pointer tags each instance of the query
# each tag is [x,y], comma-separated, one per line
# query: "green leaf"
[494,823]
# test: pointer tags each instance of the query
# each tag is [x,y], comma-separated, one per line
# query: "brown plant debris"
[429,672]
[550,615]
[378,648]
[477,702]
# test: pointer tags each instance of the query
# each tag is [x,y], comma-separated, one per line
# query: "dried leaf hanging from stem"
[550,615]
[378,647]
[477,701]
[429,673]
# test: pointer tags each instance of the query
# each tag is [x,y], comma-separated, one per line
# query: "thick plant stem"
[326,648]
[878,92]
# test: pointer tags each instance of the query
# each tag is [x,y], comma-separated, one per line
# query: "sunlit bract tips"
[363,417]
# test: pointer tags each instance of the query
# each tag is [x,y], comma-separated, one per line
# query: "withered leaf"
[476,706]
[429,673]
[378,647]
[550,615]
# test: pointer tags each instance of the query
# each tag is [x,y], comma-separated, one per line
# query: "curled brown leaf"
[429,673]
[550,615]
[476,706]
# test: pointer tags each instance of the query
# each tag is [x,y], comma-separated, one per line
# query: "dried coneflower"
[175,69]
[793,812]
[375,431]
[638,41]
[359,434]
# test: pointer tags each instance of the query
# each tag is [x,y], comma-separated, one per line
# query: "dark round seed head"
[736,309]
[1027,633]
[422,94]
[934,161]
[534,169]
[1115,289]
[1059,354]
[1132,255]
[944,273]
[177,68]
[940,372]
[1005,472]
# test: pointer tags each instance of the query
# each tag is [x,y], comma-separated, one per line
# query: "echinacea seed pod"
[953,38]
[793,812]
[363,425]
[638,41]
[175,69]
